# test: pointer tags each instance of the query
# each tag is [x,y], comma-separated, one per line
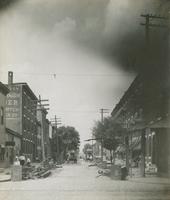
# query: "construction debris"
[39,171]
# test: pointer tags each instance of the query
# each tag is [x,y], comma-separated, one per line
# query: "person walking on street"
[16,162]
[22,160]
[28,162]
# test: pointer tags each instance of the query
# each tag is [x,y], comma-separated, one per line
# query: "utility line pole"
[148,24]
[55,122]
[102,112]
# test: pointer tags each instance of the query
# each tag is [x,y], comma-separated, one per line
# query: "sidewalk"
[151,180]
[5,175]
[138,183]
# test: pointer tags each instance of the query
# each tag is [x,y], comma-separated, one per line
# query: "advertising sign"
[13,102]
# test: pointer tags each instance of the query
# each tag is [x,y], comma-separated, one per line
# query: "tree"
[109,133]
[68,140]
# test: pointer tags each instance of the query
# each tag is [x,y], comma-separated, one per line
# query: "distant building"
[21,107]
[44,124]
[145,114]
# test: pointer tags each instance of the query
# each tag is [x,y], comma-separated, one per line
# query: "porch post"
[127,152]
[143,144]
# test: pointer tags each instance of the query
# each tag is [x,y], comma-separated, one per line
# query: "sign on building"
[13,102]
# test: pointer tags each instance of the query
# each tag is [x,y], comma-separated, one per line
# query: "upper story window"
[2,115]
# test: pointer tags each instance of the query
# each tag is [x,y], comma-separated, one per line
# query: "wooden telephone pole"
[54,123]
[102,112]
[148,24]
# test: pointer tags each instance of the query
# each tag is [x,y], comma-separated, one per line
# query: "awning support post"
[143,144]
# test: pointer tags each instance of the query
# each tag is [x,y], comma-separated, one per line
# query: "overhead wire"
[70,74]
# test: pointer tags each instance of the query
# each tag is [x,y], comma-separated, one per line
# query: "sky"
[69,52]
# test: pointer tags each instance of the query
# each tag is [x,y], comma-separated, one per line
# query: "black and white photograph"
[84,99]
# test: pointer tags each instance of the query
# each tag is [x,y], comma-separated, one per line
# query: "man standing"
[22,160]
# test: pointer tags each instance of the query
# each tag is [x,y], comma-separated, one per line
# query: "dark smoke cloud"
[110,28]
[125,42]
[6,3]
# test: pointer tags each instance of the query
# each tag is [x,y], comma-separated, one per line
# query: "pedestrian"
[22,160]
[124,171]
[16,162]
[28,162]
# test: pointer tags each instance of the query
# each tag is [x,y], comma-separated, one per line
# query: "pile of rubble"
[42,170]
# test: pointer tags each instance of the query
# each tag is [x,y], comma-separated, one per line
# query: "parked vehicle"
[72,156]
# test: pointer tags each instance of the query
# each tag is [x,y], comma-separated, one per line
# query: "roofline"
[4,88]
[125,95]
[32,93]
[26,85]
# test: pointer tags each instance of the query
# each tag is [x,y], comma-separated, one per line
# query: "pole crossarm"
[40,100]
[45,104]
[148,25]
[55,125]
[154,16]
[42,109]
[155,25]
[93,139]
[55,121]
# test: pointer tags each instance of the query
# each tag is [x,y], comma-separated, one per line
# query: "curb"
[5,180]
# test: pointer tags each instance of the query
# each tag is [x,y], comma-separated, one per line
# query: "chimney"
[10,77]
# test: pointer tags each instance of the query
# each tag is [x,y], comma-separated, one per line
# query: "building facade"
[144,112]
[21,107]
[13,142]
[4,153]
[44,130]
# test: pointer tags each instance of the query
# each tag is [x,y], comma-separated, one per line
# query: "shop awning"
[138,126]
[162,123]
[159,123]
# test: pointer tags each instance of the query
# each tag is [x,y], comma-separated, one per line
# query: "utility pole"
[102,112]
[55,122]
[42,107]
[148,24]
[153,21]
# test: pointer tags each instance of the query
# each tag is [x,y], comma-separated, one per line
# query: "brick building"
[4,158]
[21,115]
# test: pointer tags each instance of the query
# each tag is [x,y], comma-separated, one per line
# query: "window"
[2,115]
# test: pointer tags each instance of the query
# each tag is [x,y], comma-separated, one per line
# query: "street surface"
[80,182]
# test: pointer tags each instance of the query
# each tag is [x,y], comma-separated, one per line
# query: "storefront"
[12,146]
